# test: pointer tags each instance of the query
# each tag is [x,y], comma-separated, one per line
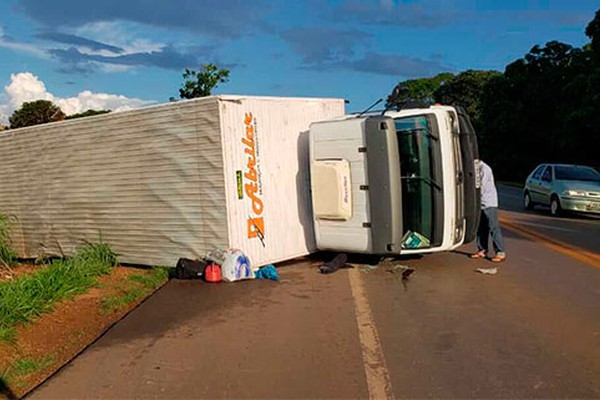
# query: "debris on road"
[212,273]
[236,266]
[189,269]
[487,271]
[267,272]
[338,262]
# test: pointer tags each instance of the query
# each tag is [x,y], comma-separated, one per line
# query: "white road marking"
[378,377]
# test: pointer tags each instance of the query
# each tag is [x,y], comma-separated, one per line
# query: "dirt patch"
[46,344]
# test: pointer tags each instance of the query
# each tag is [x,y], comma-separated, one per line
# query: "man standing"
[488,223]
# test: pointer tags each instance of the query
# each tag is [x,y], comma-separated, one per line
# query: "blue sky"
[127,53]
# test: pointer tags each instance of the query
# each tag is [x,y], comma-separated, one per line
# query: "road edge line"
[572,251]
[379,383]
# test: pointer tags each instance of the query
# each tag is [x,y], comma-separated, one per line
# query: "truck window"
[421,184]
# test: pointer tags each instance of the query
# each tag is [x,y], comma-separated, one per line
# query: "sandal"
[479,254]
[498,258]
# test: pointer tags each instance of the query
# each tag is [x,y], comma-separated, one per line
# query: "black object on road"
[338,262]
[407,272]
[189,269]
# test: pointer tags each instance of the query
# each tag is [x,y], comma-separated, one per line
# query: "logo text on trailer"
[255,222]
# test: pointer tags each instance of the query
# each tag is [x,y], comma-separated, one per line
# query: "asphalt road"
[582,230]
[530,331]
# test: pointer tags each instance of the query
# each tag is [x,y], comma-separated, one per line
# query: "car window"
[570,173]
[547,177]
[538,172]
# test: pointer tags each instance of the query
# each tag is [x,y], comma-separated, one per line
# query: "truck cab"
[400,182]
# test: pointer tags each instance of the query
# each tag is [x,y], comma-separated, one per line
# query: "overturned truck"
[167,181]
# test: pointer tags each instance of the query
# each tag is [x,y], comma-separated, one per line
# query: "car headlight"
[574,193]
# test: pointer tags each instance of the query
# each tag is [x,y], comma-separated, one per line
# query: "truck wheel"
[555,208]
[527,203]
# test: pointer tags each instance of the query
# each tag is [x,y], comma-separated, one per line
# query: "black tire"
[555,208]
[527,203]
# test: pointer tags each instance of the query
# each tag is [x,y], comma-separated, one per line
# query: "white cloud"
[25,86]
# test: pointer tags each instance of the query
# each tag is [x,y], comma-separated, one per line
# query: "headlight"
[574,193]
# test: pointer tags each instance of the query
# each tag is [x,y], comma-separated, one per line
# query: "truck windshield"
[418,143]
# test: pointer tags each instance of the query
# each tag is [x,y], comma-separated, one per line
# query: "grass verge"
[29,296]
[136,287]
[18,371]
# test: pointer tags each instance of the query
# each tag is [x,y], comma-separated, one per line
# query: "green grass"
[27,366]
[139,286]
[7,255]
[15,376]
[8,334]
[29,296]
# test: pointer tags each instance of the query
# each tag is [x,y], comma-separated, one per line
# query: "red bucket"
[212,273]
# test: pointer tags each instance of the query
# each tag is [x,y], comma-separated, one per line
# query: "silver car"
[563,187]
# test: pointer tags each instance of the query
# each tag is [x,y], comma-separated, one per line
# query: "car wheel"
[555,208]
[527,203]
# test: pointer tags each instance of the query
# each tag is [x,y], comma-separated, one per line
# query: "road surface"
[530,331]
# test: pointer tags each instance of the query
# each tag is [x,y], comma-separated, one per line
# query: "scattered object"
[407,272]
[236,266]
[414,240]
[267,272]
[368,268]
[212,273]
[338,262]
[216,256]
[487,271]
[189,269]
[403,269]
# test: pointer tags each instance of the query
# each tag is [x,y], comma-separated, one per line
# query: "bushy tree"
[423,89]
[36,112]
[465,90]
[202,83]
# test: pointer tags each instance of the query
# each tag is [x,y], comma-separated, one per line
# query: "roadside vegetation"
[28,296]
[32,304]
[135,288]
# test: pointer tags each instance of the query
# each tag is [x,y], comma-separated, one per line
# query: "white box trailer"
[167,181]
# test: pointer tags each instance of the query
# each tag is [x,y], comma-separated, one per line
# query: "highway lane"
[532,330]
[576,229]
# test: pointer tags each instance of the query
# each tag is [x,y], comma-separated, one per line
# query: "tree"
[87,113]
[593,32]
[465,90]
[201,84]
[422,89]
[36,112]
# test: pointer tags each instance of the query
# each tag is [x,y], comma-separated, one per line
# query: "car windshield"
[576,174]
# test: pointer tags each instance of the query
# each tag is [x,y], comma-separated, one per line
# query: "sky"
[121,54]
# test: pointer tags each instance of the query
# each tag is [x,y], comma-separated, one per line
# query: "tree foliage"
[465,90]
[423,89]
[87,113]
[202,83]
[36,112]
